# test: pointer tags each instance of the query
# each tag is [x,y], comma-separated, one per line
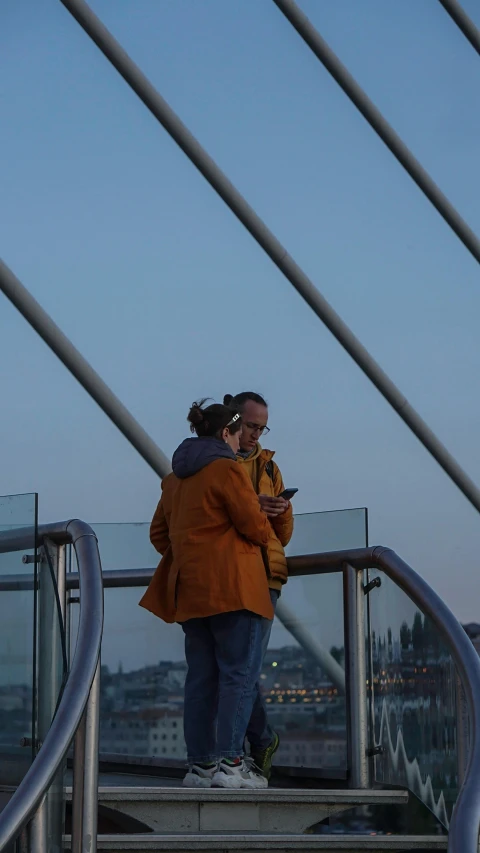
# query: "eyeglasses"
[262,430]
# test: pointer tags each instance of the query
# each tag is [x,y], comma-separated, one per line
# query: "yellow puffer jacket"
[267,480]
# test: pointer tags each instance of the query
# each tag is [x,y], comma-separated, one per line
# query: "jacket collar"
[258,453]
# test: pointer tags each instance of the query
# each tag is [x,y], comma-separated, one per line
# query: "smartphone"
[288,494]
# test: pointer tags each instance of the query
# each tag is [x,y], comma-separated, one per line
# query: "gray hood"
[196,453]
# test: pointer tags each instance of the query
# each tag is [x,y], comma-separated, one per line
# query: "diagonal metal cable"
[135,78]
[134,433]
[385,131]
[82,370]
[463,22]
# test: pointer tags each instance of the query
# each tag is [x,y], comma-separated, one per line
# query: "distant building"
[154,732]
[473,631]
[166,735]
[311,749]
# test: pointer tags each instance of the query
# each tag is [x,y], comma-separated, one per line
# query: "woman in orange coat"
[212,578]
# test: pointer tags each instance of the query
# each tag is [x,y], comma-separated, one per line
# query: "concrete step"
[252,843]
[193,810]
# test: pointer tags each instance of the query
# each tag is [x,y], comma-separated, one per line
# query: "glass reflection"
[414,701]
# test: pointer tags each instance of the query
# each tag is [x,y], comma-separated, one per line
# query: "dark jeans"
[259,732]
[224,658]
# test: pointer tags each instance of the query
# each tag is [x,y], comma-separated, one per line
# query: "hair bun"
[228,400]
[195,415]
[212,420]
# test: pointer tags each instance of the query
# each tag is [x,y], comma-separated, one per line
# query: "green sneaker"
[263,757]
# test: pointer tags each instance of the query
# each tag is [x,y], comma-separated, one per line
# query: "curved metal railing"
[465,823]
[29,794]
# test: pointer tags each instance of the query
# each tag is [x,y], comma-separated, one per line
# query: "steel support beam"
[132,74]
[463,22]
[385,131]
[82,370]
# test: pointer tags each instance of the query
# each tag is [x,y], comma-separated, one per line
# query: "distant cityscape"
[414,691]
[142,711]
[413,680]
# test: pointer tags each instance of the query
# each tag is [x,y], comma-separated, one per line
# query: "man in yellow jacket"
[268,484]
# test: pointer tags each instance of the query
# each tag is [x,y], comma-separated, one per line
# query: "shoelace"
[250,765]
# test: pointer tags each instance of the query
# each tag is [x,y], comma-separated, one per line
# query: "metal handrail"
[465,823]
[26,799]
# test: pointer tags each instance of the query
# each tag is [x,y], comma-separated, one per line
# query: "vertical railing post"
[23,843]
[38,830]
[85,774]
[463,730]
[48,820]
[35,835]
[51,624]
[56,797]
[356,678]
[78,786]
[62,580]
[50,627]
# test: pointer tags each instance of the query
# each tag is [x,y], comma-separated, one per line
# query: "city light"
[143,710]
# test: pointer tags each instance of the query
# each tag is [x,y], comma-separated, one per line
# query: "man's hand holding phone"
[276,506]
[273,506]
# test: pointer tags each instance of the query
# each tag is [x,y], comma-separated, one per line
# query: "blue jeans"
[224,658]
[259,732]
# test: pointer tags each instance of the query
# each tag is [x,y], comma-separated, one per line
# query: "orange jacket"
[210,529]
[281,529]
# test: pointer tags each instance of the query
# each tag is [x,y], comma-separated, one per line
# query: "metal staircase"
[194,812]
[171,818]
[277,819]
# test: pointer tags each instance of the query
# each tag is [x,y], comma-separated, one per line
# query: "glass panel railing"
[414,701]
[18,613]
[306,700]
[144,669]
[126,546]
[306,705]
[335,530]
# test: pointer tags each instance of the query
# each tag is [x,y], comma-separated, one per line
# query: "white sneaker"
[242,775]
[199,777]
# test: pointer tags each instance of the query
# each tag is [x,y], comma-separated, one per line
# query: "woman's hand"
[273,506]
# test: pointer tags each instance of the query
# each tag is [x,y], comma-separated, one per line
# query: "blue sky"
[123,242]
